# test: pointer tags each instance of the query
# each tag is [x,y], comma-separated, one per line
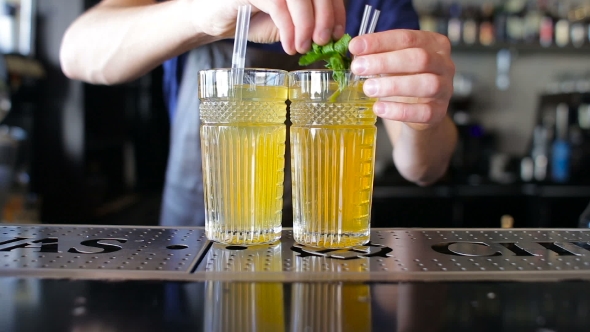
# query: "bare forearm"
[111,44]
[422,156]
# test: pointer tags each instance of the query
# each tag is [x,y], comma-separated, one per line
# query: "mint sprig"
[335,53]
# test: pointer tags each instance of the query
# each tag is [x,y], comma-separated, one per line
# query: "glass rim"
[319,70]
[250,69]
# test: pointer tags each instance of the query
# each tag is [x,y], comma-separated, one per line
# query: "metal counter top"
[393,255]
[95,278]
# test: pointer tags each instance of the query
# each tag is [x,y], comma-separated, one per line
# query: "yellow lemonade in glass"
[243,145]
[245,306]
[333,137]
[330,306]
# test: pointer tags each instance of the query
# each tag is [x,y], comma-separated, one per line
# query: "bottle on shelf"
[428,20]
[578,34]
[539,152]
[500,20]
[455,24]
[515,20]
[546,31]
[486,26]
[532,22]
[561,150]
[562,26]
[578,27]
[441,13]
[470,25]
[545,23]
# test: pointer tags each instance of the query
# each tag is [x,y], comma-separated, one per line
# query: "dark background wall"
[97,148]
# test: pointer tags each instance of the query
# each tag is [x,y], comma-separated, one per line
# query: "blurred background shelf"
[524,49]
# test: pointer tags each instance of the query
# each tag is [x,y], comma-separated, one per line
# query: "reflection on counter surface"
[30,305]
[330,307]
[244,306]
[231,306]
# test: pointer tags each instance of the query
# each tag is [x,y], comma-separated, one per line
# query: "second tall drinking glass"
[333,137]
[243,133]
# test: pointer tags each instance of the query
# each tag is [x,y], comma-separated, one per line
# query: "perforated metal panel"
[395,254]
[392,255]
[108,248]
[486,250]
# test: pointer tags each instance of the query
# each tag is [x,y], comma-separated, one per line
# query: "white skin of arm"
[422,156]
[119,40]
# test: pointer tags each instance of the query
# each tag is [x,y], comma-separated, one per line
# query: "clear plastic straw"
[366,26]
[240,43]
[365,20]
[374,20]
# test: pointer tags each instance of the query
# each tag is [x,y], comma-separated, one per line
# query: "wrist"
[419,129]
[192,33]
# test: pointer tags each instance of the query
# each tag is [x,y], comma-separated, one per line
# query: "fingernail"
[357,45]
[358,66]
[370,87]
[379,109]
[306,45]
[288,49]
[325,36]
[338,32]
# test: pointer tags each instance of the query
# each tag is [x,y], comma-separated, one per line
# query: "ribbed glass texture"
[245,306]
[332,162]
[330,306]
[243,146]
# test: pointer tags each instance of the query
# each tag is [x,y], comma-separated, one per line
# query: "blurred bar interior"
[71,152]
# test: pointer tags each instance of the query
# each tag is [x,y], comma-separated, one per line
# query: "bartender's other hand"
[416,74]
[294,22]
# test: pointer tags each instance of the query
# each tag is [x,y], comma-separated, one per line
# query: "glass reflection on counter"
[29,304]
[243,306]
[330,306]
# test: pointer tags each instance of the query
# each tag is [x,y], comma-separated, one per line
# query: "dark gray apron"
[182,203]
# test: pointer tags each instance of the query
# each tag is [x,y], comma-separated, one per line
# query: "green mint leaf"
[327,52]
[315,48]
[309,58]
[328,48]
[336,63]
[336,56]
[341,46]
[340,77]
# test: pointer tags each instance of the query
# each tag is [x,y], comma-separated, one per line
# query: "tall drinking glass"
[333,137]
[243,132]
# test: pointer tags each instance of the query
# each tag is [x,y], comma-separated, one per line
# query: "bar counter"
[113,278]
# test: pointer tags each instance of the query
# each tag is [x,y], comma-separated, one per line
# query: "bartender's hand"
[414,87]
[294,23]
[120,40]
